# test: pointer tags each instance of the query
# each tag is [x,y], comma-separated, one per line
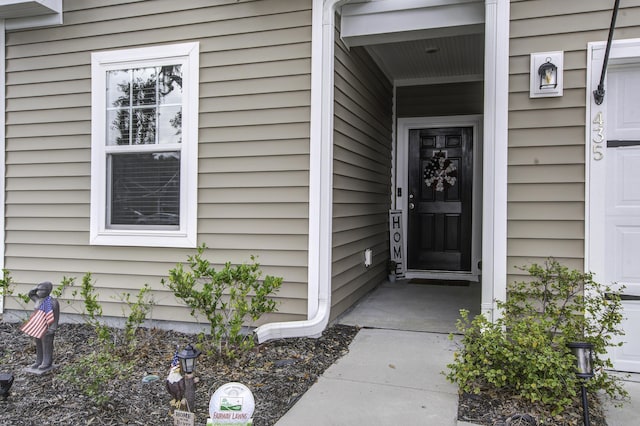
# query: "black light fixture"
[548,73]
[187,358]
[583,351]
[6,380]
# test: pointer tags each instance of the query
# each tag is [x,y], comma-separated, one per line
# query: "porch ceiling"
[433,60]
[419,41]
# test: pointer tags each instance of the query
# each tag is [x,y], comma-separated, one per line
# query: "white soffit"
[28,8]
[30,13]
[387,21]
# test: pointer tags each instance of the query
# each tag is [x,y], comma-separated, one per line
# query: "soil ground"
[277,372]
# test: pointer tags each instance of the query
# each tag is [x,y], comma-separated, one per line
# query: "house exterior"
[288,129]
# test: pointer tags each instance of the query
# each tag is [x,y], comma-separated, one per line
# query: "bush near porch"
[525,351]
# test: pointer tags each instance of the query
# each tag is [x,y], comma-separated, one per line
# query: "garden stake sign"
[440,172]
[231,404]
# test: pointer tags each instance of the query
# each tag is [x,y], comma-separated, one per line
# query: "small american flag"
[175,361]
[40,320]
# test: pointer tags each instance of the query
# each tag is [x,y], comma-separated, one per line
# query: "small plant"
[92,373]
[228,298]
[64,284]
[138,311]
[5,284]
[6,289]
[525,351]
[392,266]
[92,308]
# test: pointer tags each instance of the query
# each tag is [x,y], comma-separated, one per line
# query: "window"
[144,146]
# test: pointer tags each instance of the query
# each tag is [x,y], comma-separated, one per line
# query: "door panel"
[622,207]
[439,219]
[622,246]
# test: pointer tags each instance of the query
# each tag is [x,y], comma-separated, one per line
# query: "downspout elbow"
[312,327]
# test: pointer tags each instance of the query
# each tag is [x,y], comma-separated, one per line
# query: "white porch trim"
[496,103]
[401,173]
[2,148]
[369,22]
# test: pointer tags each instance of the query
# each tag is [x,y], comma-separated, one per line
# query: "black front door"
[440,191]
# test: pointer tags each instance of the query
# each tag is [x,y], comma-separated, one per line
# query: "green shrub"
[525,351]
[64,284]
[228,298]
[5,283]
[92,308]
[92,373]
[138,311]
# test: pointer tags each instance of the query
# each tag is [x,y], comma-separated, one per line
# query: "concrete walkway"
[392,374]
[389,377]
[629,413]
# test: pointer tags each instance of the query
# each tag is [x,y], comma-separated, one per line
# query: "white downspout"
[320,182]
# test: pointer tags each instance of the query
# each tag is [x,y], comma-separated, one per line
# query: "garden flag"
[175,361]
[40,320]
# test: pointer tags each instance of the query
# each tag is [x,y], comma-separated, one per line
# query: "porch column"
[494,222]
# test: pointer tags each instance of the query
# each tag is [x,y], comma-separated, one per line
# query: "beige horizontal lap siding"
[361,175]
[546,171]
[254,110]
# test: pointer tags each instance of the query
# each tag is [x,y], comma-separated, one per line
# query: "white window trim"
[186,54]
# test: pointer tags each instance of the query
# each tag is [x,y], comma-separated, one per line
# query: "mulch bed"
[499,408]
[278,373]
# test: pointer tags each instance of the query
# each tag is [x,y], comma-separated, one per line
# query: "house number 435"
[598,137]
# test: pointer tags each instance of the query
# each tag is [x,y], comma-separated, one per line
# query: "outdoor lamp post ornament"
[187,359]
[583,352]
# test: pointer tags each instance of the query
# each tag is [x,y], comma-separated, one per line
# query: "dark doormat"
[457,283]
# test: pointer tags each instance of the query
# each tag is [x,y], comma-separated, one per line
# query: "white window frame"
[186,54]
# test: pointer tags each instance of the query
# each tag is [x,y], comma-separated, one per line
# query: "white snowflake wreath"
[440,172]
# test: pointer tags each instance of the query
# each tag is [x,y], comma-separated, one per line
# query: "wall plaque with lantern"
[546,74]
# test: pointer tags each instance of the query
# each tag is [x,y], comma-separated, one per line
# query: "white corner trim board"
[496,98]
[2,149]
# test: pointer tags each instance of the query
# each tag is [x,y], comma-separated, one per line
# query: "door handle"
[412,206]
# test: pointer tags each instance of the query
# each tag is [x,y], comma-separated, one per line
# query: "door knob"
[412,206]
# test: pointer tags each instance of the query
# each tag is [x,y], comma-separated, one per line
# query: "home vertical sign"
[395,241]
